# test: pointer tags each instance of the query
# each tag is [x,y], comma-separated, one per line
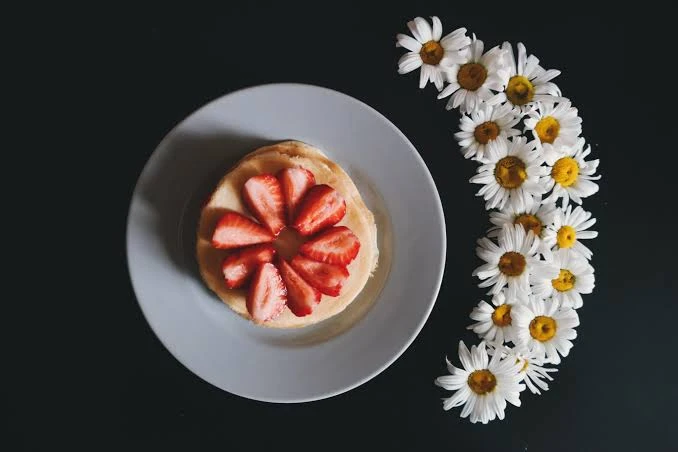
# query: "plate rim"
[441,264]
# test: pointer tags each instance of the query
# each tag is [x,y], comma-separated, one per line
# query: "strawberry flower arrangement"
[533,163]
[289,198]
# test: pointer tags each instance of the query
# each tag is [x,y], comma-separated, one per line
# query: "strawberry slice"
[267,295]
[264,198]
[295,182]
[235,230]
[301,296]
[337,245]
[240,265]
[327,278]
[322,207]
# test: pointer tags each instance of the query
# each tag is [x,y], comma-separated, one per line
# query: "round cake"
[285,239]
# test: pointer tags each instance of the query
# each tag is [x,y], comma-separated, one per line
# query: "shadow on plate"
[188,169]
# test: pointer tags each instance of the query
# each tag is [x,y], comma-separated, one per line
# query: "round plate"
[304,364]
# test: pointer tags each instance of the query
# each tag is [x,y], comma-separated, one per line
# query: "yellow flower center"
[510,172]
[471,76]
[502,315]
[431,52]
[525,364]
[512,263]
[564,281]
[519,90]
[482,381]
[565,171]
[542,328]
[547,129]
[486,132]
[566,237]
[529,222]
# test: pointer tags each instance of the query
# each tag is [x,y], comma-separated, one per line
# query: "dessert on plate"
[285,239]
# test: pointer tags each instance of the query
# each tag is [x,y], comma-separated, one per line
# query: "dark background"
[616,391]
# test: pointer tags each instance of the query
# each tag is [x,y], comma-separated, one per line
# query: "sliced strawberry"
[301,297]
[264,198]
[327,278]
[267,295]
[322,207]
[239,266]
[235,230]
[295,182]
[337,245]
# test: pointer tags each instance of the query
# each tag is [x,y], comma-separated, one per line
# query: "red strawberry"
[301,297]
[327,278]
[267,295]
[337,245]
[322,207]
[295,182]
[235,230]
[240,265]
[264,198]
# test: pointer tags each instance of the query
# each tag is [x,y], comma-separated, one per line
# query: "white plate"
[286,365]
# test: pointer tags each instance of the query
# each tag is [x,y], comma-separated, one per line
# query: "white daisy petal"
[448,90]
[456,40]
[465,356]
[424,75]
[413,29]
[468,408]
[437,79]
[409,62]
[457,399]
[437,28]
[408,42]
[522,56]
[451,382]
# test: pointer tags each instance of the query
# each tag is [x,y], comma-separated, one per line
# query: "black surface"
[617,389]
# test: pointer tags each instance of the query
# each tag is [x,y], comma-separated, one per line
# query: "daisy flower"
[512,176]
[575,277]
[511,262]
[486,127]
[571,176]
[569,227]
[528,82]
[483,386]
[494,322]
[532,370]
[435,56]
[544,328]
[534,217]
[553,127]
[472,79]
